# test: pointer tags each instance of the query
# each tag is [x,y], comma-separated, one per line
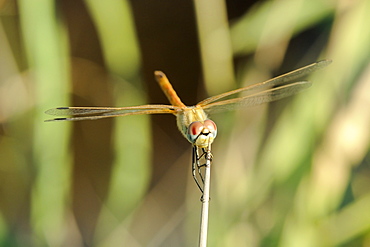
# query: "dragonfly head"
[202,133]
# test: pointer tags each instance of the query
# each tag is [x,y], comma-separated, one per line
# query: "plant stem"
[205,202]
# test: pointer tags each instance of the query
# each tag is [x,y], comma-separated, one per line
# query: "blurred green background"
[290,173]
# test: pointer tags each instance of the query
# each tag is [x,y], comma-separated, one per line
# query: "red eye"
[195,128]
[202,132]
[209,124]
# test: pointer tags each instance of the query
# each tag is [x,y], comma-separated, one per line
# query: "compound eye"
[210,125]
[194,130]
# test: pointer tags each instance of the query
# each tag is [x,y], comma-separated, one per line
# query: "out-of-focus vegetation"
[291,173]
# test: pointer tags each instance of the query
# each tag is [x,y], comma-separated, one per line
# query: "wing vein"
[258,98]
[117,112]
[274,82]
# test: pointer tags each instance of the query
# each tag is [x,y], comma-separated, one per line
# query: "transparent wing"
[93,113]
[274,82]
[257,98]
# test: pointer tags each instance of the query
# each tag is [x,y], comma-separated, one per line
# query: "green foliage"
[281,173]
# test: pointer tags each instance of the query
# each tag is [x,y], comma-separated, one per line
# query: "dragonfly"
[193,121]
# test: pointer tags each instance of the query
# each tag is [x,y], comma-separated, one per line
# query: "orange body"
[168,89]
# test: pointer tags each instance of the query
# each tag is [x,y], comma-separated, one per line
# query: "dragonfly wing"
[274,82]
[93,113]
[257,98]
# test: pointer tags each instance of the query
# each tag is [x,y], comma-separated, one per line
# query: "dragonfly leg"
[203,165]
[207,158]
[195,165]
